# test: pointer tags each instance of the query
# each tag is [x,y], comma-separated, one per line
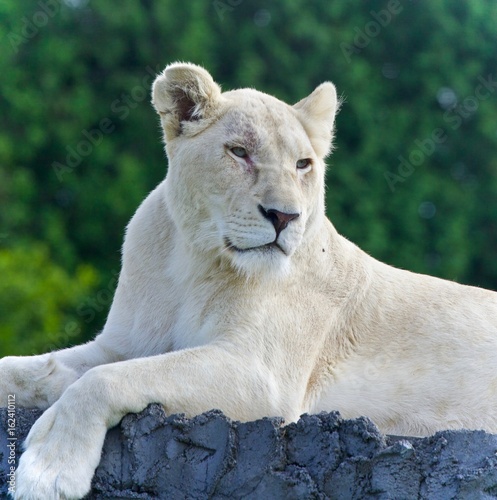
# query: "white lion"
[237,293]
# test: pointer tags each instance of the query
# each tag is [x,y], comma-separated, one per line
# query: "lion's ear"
[317,113]
[184,92]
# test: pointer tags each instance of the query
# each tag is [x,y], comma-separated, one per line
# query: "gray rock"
[151,455]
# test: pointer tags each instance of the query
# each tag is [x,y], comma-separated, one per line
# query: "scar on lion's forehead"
[240,128]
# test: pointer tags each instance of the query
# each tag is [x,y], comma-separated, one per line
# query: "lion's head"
[246,170]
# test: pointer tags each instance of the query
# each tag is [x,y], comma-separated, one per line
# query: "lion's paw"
[59,461]
[34,381]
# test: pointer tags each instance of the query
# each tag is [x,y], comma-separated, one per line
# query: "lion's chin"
[265,262]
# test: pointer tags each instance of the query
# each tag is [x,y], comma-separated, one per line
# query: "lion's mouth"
[268,247]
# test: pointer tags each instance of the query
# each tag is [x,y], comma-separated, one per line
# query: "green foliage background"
[76,76]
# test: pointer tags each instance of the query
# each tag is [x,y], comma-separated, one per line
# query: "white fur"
[259,331]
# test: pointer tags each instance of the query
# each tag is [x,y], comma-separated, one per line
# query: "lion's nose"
[279,219]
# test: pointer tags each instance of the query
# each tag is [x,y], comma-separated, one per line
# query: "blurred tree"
[412,181]
[40,303]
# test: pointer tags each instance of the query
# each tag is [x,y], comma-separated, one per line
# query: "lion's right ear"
[184,92]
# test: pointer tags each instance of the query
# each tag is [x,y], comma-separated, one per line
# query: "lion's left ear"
[317,113]
[184,92]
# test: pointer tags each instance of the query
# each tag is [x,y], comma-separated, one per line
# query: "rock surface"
[150,455]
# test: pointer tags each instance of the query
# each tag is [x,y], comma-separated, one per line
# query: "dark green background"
[418,79]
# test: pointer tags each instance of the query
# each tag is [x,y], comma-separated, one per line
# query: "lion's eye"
[303,164]
[240,152]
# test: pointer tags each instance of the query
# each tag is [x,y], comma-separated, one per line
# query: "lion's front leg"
[39,381]
[63,448]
